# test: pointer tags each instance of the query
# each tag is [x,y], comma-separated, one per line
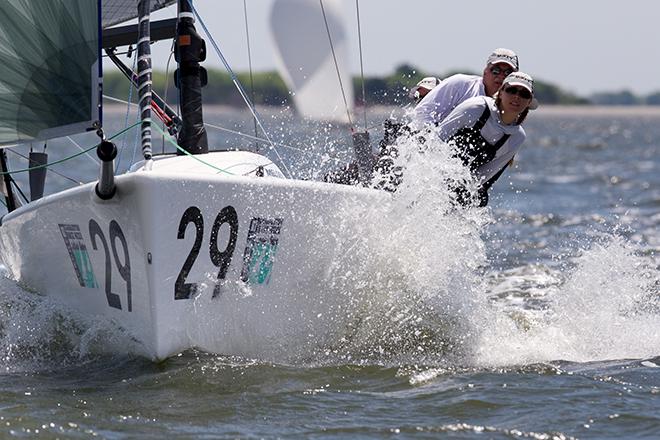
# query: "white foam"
[604,310]
[37,333]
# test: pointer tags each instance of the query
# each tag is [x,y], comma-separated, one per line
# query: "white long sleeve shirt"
[466,114]
[445,97]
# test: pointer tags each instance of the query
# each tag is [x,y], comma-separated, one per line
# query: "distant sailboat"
[305,60]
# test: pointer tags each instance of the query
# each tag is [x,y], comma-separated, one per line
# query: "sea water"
[537,317]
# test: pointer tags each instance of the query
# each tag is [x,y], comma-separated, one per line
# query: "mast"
[190,77]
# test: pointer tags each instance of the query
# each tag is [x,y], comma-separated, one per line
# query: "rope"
[247,36]
[181,149]
[2,173]
[238,85]
[334,57]
[364,95]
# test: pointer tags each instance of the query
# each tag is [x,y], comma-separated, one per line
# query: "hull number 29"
[258,256]
[220,259]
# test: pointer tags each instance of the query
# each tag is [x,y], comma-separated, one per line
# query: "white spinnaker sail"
[305,60]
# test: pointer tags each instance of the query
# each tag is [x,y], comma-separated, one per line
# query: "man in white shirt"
[443,98]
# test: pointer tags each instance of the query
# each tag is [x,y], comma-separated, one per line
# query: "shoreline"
[599,110]
[545,110]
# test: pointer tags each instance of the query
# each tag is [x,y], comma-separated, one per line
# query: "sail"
[119,11]
[304,56]
[48,68]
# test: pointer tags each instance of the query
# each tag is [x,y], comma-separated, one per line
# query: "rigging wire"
[167,80]
[248,136]
[247,36]
[128,114]
[364,95]
[334,57]
[173,141]
[46,165]
[240,88]
[82,149]
[49,169]
[20,191]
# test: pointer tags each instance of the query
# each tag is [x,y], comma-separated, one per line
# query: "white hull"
[129,259]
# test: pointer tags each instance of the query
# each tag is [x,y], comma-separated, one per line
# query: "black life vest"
[471,147]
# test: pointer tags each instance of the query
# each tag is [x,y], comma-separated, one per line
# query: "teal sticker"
[260,250]
[82,265]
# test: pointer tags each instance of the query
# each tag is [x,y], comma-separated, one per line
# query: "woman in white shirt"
[487,132]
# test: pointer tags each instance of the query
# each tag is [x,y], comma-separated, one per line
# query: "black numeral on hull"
[220,259]
[124,269]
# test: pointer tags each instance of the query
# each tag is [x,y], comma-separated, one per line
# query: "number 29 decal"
[115,233]
[220,259]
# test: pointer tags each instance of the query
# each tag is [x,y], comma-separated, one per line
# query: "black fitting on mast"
[190,77]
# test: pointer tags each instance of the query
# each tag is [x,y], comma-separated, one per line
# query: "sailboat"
[214,250]
[314,68]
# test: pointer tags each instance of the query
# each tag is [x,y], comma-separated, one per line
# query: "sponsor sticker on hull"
[75,245]
[259,255]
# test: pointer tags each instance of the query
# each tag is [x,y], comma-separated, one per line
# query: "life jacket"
[472,148]
[474,151]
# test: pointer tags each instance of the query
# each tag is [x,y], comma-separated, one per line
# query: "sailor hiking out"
[486,133]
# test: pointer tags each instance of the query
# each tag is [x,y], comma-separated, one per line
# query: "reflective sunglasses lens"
[496,71]
[523,93]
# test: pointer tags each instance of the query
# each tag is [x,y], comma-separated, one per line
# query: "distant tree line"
[624,97]
[268,88]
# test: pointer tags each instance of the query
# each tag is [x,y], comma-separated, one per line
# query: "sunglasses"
[523,93]
[496,71]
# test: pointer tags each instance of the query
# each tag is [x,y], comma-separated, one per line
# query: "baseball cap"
[502,55]
[520,79]
[427,84]
[523,80]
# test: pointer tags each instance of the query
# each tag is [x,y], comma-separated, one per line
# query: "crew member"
[422,88]
[486,133]
[441,100]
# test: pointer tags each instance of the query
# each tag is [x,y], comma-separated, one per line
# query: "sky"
[583,46]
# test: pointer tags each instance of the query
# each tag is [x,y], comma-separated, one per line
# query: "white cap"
[520,79]
[502,55]
[426,84]
[523,80]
